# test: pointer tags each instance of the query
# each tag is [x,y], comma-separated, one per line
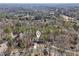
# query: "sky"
[39,1]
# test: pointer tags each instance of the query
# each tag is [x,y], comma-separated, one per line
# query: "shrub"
[8,30]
